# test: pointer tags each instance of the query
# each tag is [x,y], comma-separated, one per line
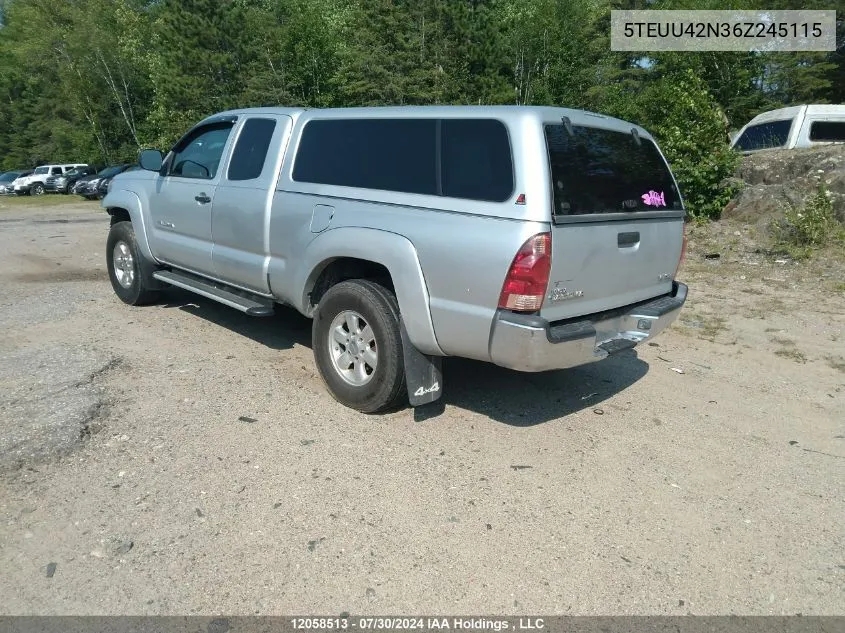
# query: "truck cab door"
[181,203]
[242,203]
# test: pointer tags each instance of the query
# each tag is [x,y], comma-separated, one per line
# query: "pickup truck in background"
[791,128]
[534,238]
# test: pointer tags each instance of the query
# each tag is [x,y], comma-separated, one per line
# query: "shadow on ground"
[510,397]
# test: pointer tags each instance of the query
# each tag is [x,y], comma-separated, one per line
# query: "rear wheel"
[124,263]
[358,347]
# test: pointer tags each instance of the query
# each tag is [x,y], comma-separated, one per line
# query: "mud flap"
[423,373]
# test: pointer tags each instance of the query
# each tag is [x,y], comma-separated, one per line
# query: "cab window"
[199,155]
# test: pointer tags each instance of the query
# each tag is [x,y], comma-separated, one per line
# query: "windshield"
[41,170]
[603,171]
[109,172]
[764,136]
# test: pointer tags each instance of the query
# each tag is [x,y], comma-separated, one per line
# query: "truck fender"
[128,200]
[394,252]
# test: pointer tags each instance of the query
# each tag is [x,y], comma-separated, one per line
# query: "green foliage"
[96,80]
[682,114]
[808,227]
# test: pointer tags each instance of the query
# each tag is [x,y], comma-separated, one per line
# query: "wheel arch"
[353,252]
[124,205]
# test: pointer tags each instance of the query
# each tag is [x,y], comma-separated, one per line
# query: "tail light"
[683,252]
[528,277]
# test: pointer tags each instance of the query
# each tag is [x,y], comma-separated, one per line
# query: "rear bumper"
[530,343]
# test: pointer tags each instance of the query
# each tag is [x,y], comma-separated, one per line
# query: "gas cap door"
[321,217]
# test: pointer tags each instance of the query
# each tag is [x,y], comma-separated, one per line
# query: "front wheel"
[358,346]
[37,189]
[123,260]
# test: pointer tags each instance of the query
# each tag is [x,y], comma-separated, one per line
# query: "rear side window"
[827,131]
[56,171]
[476,160]
[386,154]
[602,171]
[764,136]
[250,152]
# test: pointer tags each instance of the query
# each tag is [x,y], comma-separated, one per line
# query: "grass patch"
[766,308]
[792,354]
[836,363]
[10,203]
[783,341]
[806,229]
[705,326]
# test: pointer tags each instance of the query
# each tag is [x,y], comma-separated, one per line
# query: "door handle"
[202,198]
[627,239]
[167,225]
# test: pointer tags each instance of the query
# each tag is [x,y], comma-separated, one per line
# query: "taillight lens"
[683,252]
[528,277]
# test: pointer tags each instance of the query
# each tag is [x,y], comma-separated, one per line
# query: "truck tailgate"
[617,219]
[598,266]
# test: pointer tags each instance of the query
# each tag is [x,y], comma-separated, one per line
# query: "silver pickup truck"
[535,238]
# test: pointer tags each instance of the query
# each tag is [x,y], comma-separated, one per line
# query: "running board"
[253,305]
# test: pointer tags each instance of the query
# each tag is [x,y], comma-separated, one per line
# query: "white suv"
[34,183]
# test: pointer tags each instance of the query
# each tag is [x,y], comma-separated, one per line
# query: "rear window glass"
[827,131]
[602,171]
[764,136]
[386,154]
[251,150]
[476,160]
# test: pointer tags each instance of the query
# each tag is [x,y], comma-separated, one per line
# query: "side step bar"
[253,305]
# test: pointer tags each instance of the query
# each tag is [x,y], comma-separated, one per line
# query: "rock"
[370,593]
[772,181]
[118,546]
[51,569]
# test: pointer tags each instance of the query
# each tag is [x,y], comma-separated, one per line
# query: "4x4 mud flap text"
[423,373]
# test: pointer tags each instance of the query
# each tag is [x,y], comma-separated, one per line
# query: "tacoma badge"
[561,294]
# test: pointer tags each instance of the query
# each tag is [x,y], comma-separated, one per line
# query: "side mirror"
[151,159]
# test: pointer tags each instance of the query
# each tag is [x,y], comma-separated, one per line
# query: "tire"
[363,303]
[36,189]
[125,265]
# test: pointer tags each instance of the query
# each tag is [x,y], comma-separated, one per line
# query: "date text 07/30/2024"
[418,623]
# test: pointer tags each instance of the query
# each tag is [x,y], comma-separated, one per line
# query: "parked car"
[64,183]
[94,186]
[793,127]
[35,183]
[534,238]
[8,177]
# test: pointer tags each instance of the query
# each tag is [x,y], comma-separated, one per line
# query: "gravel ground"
[183,458]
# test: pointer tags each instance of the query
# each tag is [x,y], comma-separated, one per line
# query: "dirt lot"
[183,458]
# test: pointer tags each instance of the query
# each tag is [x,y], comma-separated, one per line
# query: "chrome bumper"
[530,343]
